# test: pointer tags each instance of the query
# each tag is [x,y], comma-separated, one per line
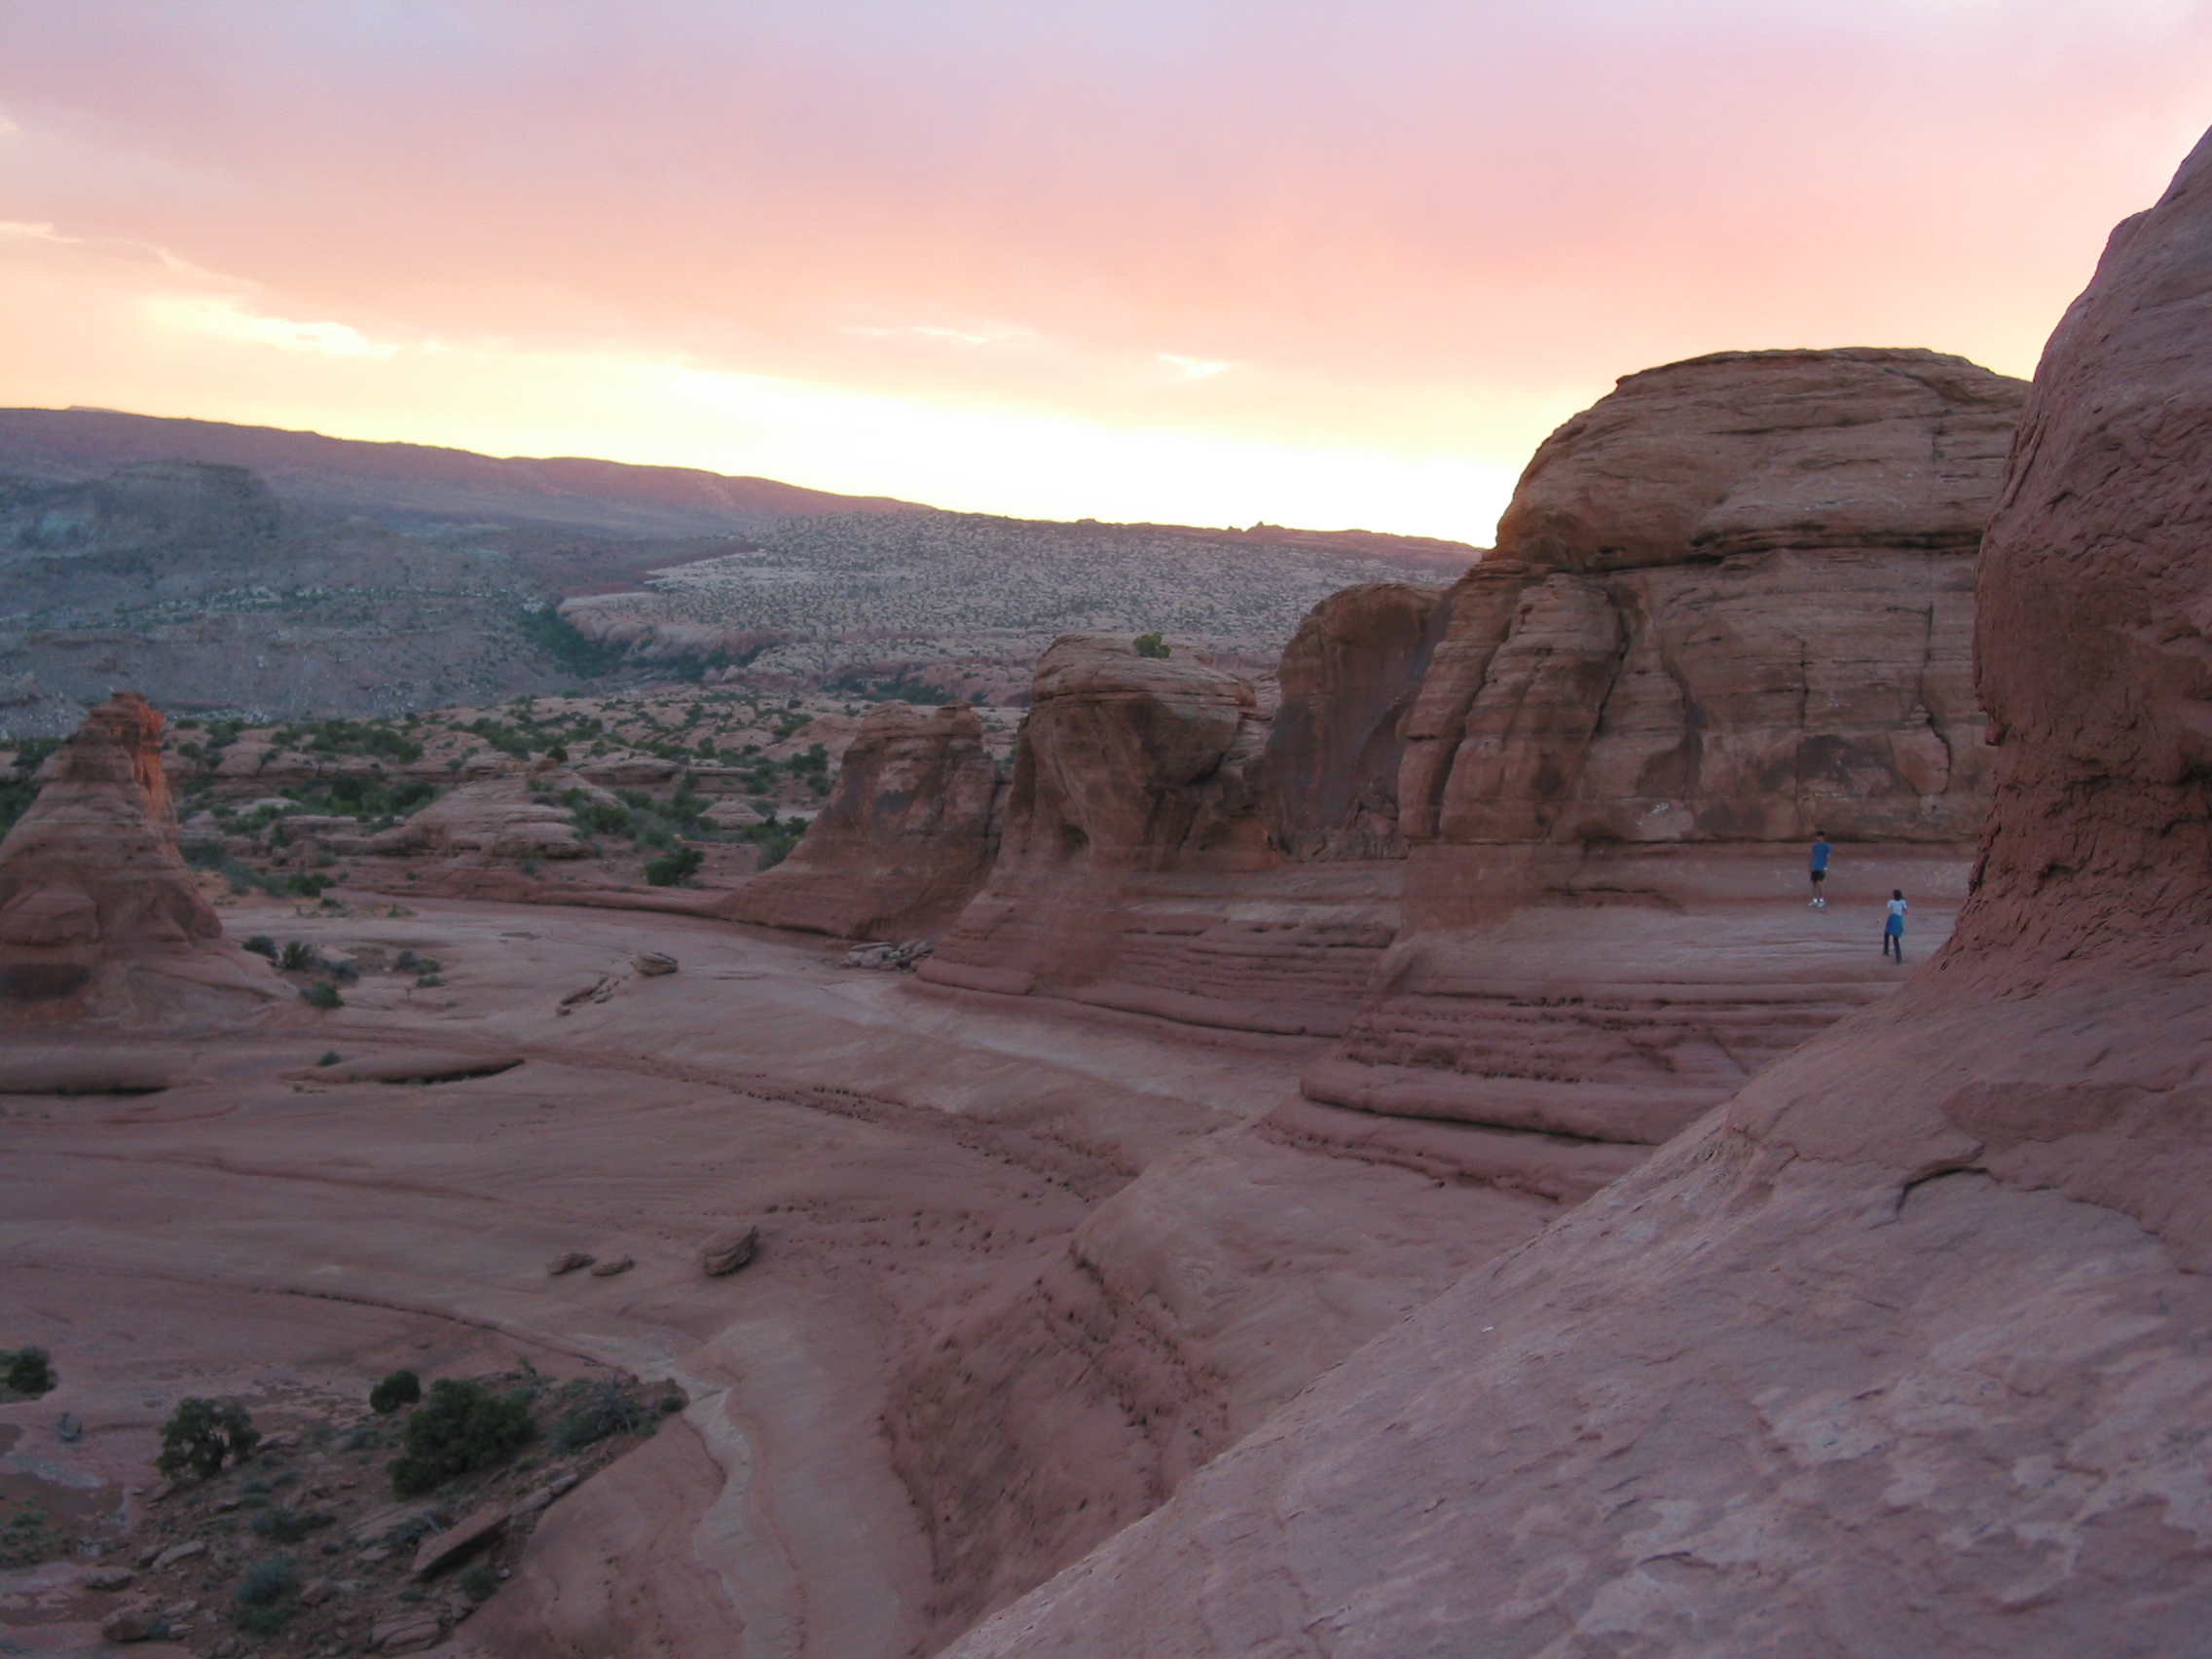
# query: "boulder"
[1898,1351]
[568,1262]
[442,1550]
[610,1266]
[729,1249]
[137,1620]
[905,837]
[407,1631]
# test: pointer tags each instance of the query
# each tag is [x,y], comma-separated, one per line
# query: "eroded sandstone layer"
[1902,1350]
[99,914]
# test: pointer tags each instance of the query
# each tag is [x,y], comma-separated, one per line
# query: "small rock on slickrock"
[450,1549]
[612,1266]
[568,1262]
[650,964]
[407,1633]
[108,1577]
[133,1621]
[181,1552]
[728,1250]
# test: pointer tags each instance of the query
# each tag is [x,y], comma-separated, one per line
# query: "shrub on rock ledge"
[401,1388]
[463,1427]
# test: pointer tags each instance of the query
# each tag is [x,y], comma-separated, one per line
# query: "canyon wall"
[1898,1351]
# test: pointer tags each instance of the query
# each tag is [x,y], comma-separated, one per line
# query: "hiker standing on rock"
[1821,851]
[1893,930]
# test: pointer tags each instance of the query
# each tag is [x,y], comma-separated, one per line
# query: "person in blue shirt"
[1821,851]
[1893,930]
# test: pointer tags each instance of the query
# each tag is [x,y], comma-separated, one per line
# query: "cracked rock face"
[1900,1350]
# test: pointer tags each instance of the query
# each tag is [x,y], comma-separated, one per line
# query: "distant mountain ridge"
[407,485]
[412,486]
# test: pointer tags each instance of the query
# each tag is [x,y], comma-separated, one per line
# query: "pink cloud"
[1382,215]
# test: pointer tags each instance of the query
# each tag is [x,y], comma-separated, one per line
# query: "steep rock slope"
[1902,1350]
[98,915]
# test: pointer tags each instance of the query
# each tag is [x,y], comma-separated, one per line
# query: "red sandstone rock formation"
[1901,1350]
[904,839]
[1731,606]
[1133,812]
[1329,786]
[99,914]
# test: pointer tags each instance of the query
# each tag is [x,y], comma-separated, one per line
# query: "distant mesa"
[409,483]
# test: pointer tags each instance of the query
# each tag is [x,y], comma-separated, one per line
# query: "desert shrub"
[601,816]
[605,1409]
[27,1370]
[1152,645]
[673,869]
[300,884]
[361,1440]
[479,1582]
[330,1057]
[322,994]
[266,1596]
[199,1434]
[428,982]
[298,956]
[282,1526]
[261,944]
[462,1426]
[401,1388]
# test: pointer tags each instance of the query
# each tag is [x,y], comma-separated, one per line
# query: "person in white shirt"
[1893,930]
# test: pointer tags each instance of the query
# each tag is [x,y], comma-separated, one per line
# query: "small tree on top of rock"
[1152,645]
[463,1426]
[200,1434]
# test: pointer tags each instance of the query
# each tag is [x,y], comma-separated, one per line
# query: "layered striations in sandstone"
[1731,607]
[99,914]
[1900,1350]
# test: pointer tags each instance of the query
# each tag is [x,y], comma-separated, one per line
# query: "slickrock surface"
[920,1397]
[903,840]
[1901,1352]
[98,915]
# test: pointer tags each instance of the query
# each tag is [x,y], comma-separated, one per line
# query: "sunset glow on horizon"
[1208,263]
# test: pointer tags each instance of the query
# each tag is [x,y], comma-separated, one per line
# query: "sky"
[1209,261]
